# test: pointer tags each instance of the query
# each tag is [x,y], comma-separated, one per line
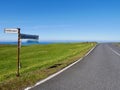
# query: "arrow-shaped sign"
[26,36]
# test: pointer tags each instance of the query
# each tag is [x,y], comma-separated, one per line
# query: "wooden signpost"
[20,36]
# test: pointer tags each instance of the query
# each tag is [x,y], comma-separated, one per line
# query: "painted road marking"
[115,51]
[50,77]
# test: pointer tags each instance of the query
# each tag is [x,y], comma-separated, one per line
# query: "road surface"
[100,70]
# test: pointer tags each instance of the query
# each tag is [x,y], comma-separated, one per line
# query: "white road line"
[42,81]
[115,51]
[90,51]
[50,77]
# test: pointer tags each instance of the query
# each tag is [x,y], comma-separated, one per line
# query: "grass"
[118,44]
[37,62]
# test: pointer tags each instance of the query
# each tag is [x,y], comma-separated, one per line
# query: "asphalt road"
[100,70]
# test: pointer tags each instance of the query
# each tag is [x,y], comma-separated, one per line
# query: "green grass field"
[37,62]
[118,44]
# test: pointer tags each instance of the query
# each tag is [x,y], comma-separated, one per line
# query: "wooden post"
[18,56]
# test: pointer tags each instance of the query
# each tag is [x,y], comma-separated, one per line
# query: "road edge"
[57,73]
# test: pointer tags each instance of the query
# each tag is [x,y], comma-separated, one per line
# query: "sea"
[25,43]
[38,42]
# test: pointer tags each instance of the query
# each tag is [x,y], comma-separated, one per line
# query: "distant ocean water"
[41,42]
[25,43]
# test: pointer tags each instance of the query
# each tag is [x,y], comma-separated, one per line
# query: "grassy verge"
[118,44]
[37,62]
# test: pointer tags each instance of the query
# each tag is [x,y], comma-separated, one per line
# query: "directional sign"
[26,36]
[20,36]
[11,30]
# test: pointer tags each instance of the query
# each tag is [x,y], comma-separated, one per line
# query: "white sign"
[11,30]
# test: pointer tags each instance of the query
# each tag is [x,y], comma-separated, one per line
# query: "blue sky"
[97,20]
